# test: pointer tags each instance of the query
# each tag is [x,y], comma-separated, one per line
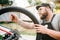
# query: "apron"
[45,36]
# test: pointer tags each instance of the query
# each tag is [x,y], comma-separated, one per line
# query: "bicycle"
[14,34]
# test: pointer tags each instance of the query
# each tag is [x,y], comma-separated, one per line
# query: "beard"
[44,16]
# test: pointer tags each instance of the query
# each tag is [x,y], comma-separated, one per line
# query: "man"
[49,28]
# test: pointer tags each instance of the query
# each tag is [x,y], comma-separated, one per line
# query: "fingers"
[13,15]
[37,25]
[41,28]
[38,28]
[14,18]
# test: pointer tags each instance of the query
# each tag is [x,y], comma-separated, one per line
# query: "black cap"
[43,5]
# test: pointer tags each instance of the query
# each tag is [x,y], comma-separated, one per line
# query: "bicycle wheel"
[22,10]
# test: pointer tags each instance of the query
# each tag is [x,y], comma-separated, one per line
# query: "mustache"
[44,16]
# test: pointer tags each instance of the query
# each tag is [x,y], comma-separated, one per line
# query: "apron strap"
[53,17]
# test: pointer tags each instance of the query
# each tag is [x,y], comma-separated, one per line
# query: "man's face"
[42,12]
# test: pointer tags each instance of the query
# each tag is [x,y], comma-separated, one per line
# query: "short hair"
[43,5]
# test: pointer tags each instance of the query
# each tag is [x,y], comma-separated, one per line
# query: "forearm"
[25,24]
[54,34]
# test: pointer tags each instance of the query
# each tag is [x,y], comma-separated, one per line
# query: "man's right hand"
[14,18]
[27,25]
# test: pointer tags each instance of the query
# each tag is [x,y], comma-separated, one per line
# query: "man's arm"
[44,30]
[25,24]
[54,34]
[15,19]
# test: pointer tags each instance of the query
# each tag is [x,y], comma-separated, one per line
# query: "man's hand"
[41,29]
[14,18]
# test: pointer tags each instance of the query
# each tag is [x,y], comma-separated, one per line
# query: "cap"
[43,5]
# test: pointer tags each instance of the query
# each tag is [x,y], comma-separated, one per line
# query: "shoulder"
[57,16]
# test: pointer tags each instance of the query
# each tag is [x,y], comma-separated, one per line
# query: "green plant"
[6,2]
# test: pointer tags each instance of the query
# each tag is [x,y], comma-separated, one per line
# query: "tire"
[22,10]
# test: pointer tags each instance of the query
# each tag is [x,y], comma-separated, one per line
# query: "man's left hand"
[41,29]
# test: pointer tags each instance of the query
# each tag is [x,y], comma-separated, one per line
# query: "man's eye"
[39,9]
